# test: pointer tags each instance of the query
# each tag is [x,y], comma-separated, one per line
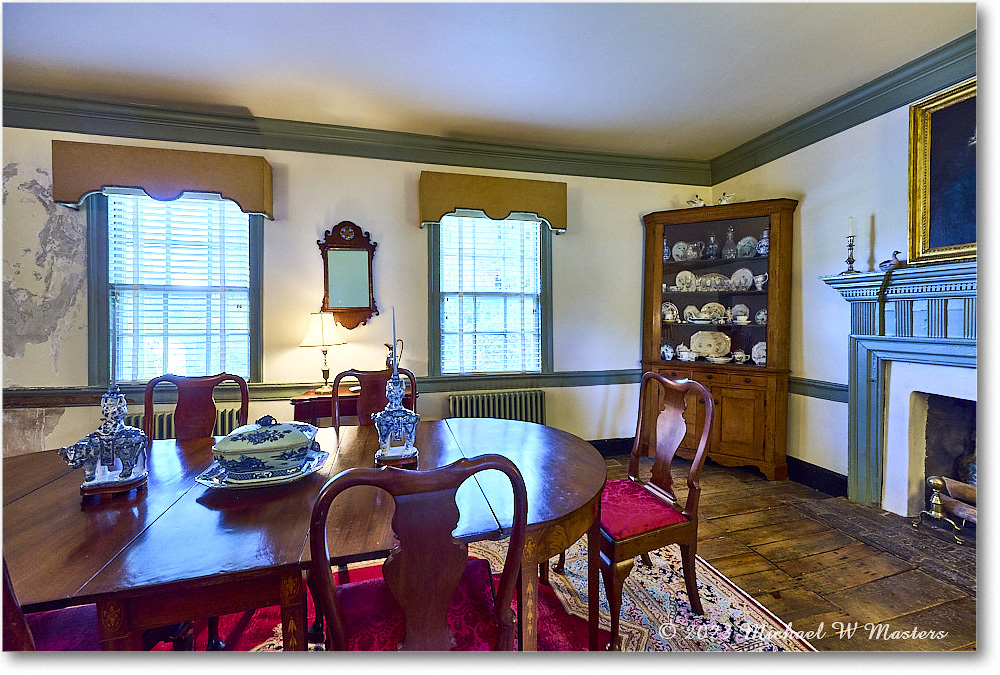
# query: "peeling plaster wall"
[597,280]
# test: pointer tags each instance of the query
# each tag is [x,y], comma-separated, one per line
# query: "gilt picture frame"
[942,180]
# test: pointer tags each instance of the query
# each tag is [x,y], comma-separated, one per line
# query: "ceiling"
[668,80]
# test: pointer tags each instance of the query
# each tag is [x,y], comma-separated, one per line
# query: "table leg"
[113,627]
[527,605]
[293,611]
[593,579]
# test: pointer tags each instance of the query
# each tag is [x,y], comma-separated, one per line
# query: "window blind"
[490,294]
[179,284]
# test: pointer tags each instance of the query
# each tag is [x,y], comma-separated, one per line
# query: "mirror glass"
[347,278]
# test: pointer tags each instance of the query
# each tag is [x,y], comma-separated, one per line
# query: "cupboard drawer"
[675,373]
[748,380]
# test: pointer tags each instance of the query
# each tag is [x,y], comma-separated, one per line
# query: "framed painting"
[942,181]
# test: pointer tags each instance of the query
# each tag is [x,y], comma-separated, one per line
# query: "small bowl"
[265,449]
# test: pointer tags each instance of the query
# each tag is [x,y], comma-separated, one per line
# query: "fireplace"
[913,335]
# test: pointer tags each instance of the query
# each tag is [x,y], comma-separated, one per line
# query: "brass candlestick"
[850,256]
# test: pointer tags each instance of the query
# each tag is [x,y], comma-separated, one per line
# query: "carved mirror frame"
[344,248]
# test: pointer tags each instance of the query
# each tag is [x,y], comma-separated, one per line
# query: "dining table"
[179,549]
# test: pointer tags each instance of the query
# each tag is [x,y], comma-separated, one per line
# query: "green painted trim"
[545,298]
[278,391]
[932,72]
[828,391]
[585,378]
[28,110]
[256,297]
[936,70]
[98,304]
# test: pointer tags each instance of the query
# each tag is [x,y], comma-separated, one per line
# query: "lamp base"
[324,390]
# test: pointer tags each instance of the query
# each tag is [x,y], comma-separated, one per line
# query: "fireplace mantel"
[924,314]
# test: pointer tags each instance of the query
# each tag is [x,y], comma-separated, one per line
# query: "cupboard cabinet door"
[739,426]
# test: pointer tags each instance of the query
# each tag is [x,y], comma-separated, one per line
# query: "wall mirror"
[347,274]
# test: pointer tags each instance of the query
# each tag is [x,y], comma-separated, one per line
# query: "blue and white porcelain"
[217,477]
[266,449]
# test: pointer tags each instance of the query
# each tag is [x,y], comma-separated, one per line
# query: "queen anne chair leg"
[560,566]
[690,578]
[614,580]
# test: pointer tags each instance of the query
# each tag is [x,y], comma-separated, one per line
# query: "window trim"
[434,298]
[98,306]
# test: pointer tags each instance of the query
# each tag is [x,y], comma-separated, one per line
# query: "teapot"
[740,356]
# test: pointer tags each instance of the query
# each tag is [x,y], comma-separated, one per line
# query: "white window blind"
[490,294]
[179,283]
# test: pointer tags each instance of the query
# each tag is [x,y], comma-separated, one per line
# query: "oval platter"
[710,343]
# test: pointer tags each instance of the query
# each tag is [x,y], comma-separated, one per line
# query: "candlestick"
[850,257]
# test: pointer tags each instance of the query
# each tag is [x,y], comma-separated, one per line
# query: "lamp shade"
[323,331]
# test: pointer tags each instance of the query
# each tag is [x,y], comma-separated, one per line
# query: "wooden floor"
[822,563]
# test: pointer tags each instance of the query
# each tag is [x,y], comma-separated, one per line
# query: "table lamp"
[323,333]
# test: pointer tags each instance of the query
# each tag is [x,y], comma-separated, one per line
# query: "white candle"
[394,362]
[850,230]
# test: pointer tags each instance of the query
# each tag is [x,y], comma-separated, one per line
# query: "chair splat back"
[423,572]
[195,412]
[669,427]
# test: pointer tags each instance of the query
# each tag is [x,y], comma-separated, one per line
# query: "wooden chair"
[194,417]
[70,629]
[640,517]
[431,596]
[371,398]
[194,414]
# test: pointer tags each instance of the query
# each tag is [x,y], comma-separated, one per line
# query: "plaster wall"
[597,278]
[859,173]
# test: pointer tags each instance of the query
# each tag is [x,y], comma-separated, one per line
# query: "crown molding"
[936,70]
[126,120]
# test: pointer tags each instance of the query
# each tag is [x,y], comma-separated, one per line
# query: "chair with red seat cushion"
[638,517]
[70,629]
[371,397]
[194,417]
[431,595]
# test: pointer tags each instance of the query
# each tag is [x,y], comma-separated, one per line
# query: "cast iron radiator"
[522,404]
[163,422]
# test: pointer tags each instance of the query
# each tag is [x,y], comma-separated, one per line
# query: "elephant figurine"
[101,451]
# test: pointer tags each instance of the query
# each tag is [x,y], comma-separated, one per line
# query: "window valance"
[443,193]
[79,169]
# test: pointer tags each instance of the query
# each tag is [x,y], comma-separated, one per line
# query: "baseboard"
[613,446]
[816,477]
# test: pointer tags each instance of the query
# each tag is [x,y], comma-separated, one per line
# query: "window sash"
[184,291]
[489,302]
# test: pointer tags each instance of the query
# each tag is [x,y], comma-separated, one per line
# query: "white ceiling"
[677,80]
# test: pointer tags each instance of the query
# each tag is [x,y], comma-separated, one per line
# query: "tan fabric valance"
[79,169]
[442,193]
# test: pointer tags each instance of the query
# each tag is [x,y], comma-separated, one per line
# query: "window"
[180,288]
[489,294]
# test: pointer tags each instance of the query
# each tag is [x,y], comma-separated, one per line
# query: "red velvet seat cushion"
[627,510]
[73,629]
[375,620]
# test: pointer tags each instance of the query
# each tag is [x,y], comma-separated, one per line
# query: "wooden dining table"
[177,550]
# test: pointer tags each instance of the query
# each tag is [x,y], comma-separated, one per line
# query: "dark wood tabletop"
[178,550]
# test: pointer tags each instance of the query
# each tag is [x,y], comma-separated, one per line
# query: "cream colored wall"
[859,173]
[597,278]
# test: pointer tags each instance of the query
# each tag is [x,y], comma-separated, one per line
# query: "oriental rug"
[656,615]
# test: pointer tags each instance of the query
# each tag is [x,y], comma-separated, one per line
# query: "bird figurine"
[697,201]
[726,198]
[894,264]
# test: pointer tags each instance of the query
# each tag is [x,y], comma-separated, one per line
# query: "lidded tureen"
[266,449]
